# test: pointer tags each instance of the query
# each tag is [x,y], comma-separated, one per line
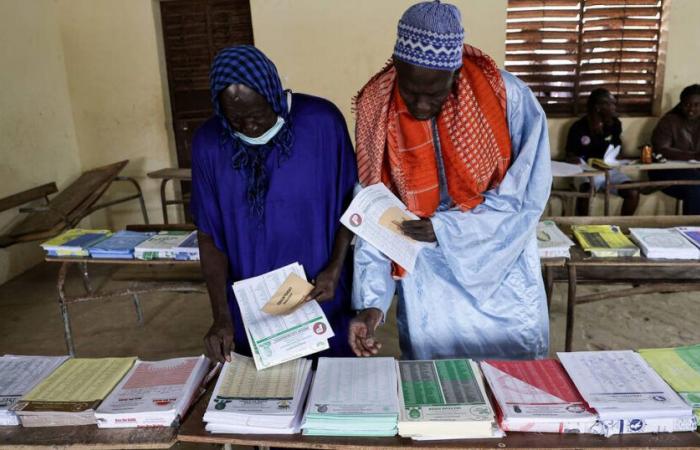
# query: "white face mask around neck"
[269,134]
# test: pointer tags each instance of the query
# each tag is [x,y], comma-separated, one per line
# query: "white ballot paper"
[275,339]
[628,395]
[374,215]
[18,375]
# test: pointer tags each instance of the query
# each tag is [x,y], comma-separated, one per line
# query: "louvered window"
[563,49]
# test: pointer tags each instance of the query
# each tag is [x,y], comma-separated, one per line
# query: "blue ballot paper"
[119,246]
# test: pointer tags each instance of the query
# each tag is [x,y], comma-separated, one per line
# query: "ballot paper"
[551,241]
[374,215]
[160,246]
[250,401]
[539,397]
[353,397]
[563,169]
[664,243]
[153,393]
[73,243]
[275,339]
[627,394]
[610,159]
[605,241]
[19,375]
[679,367]
[120,245]
[288,296]
[444,399]
[188,250]
[692,234]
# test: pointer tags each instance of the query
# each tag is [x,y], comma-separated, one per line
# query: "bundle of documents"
[691,233]
[680,367]
[153,393]
[120,245]
[70,395]
[551,241]
[277,338]
[375,215]
[444,399]
[627,394]
[604,241]
[18,375]
[664,243]
[188,250]
[74,242]
[249,401]
[538,396]
[353,397]
[160,246]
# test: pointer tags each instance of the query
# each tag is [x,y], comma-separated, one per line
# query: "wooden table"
[638,167]
[645,275]
[192,430]
[568,197]
[166,175]
[87,437]
[143,277]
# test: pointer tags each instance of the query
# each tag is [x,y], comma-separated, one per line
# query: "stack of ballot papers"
[353,397]
[153,393]
[160,246]
[70,395]
[679,367]
[248,401]
[19,375]
[627,394]
[538,396]
[277,338]
[188,250]
[444,399]
[375,215]
[120,245]
[74,243]
[691,233]
[664,243]
[604,241]
[551,241]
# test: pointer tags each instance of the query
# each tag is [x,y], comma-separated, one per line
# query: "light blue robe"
[479,293]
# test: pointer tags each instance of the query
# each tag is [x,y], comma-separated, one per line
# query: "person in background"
[272,172]
[590,137]
[465,147]
[677,137]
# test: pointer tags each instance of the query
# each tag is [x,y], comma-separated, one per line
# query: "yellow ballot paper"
[243,380]
[680,368]
[605,241]
[81,380]
[288,296]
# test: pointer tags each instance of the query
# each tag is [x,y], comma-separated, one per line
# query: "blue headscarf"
[245,64]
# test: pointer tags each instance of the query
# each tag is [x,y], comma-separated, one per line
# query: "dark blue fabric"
[245,64]
[306,197]
[689,194]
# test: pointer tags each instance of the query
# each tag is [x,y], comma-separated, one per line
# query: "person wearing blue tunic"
[272,173]
[479,292]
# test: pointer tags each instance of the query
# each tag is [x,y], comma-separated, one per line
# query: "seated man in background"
[677,137]
[590,137]
[272,172]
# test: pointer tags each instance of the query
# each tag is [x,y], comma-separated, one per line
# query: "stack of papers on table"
[153,393]
[538,396]
[275,339]
[551,241]
[74,242]
[664,243]
[188,250]
[605,241]
[444,399]
[691,233]
[120,245]
[627,394]
[353,397]
[679,367]
[375,215]
[18,375]
[248,401]
[160,246]
[70,395]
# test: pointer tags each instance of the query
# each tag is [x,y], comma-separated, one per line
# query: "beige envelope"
[288,296]
[393,216]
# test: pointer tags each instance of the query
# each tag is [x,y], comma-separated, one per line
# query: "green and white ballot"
[444,399]
[353,397]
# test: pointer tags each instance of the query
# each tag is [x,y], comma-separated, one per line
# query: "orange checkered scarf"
[398,150]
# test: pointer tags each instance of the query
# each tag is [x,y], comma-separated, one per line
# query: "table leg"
[570,304]
[68,335]
[86,277]
[137,306]
[607,193]
[549,285]
[162,200]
